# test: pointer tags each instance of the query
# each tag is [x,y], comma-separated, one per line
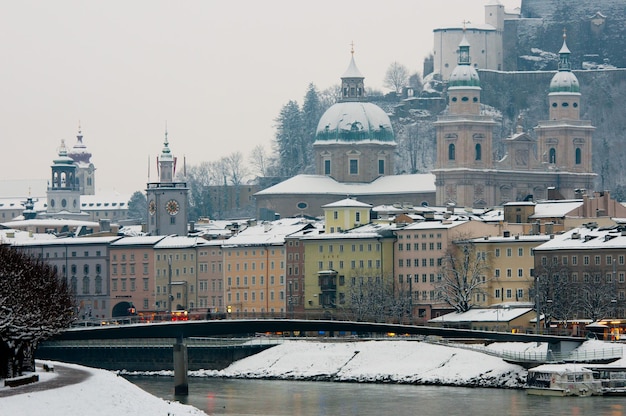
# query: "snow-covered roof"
[352,71]
[371,230]
[49,222]
[432,225]
[325,185]
[584,238]
[483,315]
[11,236]
[176,241]
[354,122]
[112,201]
[347,203]
[557,209]
[106,240]
[271,232]
[148,240]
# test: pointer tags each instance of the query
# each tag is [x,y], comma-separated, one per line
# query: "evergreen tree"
[288,138]
[138,207]
[311,113]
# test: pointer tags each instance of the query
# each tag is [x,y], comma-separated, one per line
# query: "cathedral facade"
[558,159]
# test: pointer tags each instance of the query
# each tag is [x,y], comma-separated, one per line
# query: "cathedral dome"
[564,81]
[464,76]
[350,122]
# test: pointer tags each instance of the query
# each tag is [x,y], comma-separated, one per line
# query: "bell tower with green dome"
[464,140]
[167,199]
[354,141]
[565,140]
[63,193]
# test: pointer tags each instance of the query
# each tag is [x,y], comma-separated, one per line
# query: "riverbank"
[386,361]
[77,390]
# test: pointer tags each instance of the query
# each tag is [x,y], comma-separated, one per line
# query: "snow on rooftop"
[176,241]
[138,240]
[555,208]
[586,239]
[347,202]
[273,232]
[503,314]
[320,184]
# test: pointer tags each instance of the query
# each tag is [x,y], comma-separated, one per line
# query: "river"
[236,397]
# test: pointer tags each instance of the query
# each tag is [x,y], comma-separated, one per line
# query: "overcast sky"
[215,72]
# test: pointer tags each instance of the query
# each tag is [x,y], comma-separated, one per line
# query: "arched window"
[451,152]
[552,156]
[578,156]
[479,152]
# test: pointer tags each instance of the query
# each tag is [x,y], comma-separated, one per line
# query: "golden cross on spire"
[352,48]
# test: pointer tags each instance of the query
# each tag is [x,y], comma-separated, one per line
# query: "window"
[520,294]
[354,167]
[381,167]
[520,272]
[326,167]
[578,157]
[520,252]
[497,252]
[509,252]
[552,157]
[358,217]
[451,152]
[478,152]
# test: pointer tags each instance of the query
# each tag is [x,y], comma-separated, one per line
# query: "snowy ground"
[103,393]
[399,361]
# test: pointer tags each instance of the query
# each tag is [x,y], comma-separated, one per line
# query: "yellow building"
[511,263]
[337,264]
[254,268]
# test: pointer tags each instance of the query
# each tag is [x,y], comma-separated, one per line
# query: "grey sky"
[217,72]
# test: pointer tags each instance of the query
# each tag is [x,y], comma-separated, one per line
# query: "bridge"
[206,343]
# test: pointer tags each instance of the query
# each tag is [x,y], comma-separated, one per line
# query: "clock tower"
[167,199]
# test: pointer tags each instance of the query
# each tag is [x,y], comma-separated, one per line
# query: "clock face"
[152,207]
[172,207]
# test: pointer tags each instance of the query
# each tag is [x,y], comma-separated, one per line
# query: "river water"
[235,397]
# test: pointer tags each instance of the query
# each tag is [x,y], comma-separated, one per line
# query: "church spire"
[564,53]
[352,85]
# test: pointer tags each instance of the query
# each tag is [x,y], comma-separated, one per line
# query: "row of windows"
[86,289]
[131,256]
[243,296]
[165,257]
[425,278]
[417,236]
[508,294]
[175,272]
[123,269]
[577,155]
[509,273]
[72,254]
[132,287]
[416,246]
[509,252]
[261,252]
[361,247]
[417,263]
[253,280]
[353,264]
[586,260]
[587,277]
[253,266]
[353,167]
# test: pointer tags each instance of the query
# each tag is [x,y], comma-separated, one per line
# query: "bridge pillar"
[181,384]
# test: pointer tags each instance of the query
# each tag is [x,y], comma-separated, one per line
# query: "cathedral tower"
[167,199]
[464,140]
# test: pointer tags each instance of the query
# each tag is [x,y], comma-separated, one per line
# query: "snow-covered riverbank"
[387,361]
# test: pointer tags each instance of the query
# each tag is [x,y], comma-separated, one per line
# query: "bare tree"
[396,77]
[463,275]
[260,161]
[597,295]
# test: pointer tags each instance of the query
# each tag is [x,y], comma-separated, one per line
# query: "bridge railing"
[547,356]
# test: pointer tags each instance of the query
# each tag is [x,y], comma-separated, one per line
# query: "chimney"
[507,233]
[105,225]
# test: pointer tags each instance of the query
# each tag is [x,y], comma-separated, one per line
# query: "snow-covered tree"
[138,207]
[288,138]
[35,304]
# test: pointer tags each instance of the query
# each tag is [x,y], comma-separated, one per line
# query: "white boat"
[612,378]
[562,380]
